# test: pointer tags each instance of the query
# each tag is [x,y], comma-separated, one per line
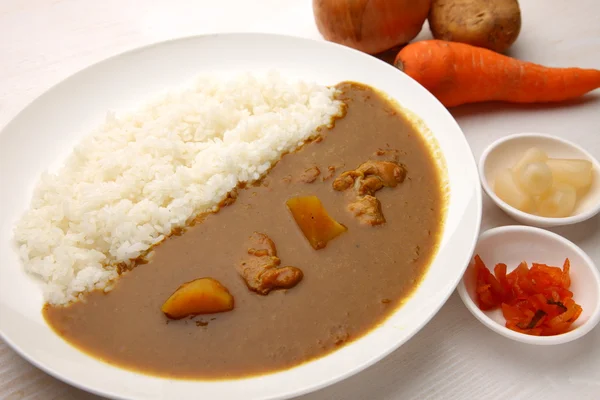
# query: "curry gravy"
[348,288]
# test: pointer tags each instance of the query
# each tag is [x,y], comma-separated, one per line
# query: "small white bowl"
[511,245]
[505,152]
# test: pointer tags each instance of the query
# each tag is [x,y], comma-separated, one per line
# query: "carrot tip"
[399,64]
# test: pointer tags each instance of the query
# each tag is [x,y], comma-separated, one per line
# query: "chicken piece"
[310,175]
[264,246]
[367,179]
[369,185]
[390,174]
[261,269]
[368,210]
[344,181]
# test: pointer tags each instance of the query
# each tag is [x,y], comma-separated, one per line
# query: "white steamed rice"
[136,178]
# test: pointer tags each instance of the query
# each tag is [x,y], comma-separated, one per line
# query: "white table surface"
[454,356]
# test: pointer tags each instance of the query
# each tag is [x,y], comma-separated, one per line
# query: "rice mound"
[127,185]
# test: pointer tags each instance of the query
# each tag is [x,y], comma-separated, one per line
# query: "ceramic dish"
[506,151]
[511,245]
[48,127]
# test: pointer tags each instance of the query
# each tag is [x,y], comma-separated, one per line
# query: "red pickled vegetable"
[489,290]
[535,301]
[566,278]
[500,272]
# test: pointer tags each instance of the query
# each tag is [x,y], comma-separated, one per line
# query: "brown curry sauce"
[348,287]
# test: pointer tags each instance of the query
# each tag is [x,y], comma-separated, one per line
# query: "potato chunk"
[200,296]
[372,176]
[314,221]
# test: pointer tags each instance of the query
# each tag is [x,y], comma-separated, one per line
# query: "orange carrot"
[458,73]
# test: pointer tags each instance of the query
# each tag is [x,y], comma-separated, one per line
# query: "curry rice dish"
[312,256]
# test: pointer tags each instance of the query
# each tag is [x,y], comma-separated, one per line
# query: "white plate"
[44,132]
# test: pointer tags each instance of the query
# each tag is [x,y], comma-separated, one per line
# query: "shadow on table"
[491,108]
[441,358]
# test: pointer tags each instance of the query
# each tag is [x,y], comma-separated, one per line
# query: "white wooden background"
[454,356]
